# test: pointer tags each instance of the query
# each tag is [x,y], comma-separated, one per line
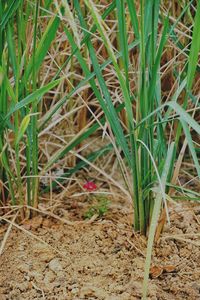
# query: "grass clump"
[136,110]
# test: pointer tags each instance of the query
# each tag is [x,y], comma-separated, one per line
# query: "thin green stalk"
[154,220]
[192,65]
[34,132]
[142,111]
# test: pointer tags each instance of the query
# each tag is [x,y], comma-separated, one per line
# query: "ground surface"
[100,259]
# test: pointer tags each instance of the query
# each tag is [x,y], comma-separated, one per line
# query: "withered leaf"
[155,271]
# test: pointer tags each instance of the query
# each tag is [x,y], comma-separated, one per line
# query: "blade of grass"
[192,63]
[22,129]
[42,48]
[191,146]
[123,38]
[31,98]
[179,110]
[8,13]
[154,221]
[133,15]
[194,50]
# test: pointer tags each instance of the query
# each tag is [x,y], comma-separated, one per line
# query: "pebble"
[23,286]
[125,296]
[38,277]
[55,265]
[75,291]
[24,268]
[49,277]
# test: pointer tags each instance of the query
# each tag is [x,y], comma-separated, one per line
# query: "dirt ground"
[101,258]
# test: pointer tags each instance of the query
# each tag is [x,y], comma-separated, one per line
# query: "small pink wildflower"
[90,186]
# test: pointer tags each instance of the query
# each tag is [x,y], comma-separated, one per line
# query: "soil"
[101,258]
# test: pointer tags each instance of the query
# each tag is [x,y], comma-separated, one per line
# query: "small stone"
[15,293]
[75,291]
[55,265]
[23,286]
[47,288]
[24,268]
[86,292]
[125,296]
[184,252]
[196,286]
[38,277]
[112,234]
[47,223]
[49,277]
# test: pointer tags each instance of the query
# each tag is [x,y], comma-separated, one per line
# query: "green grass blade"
[195,48]
[23,126]
[31,98]
[8,86]
[179,110]
[133,15]
[42,48]
[156,65]
[185,116]
[191,146]
[12,50]
[154,221]
[8,13]
[123,38]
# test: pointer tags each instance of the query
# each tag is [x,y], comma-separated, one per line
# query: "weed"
[100,209]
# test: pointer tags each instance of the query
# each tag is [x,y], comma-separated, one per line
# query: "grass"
[126,71]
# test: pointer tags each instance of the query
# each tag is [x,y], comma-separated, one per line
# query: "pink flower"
[90,186]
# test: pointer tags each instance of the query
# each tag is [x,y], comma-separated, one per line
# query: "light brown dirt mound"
[103,260]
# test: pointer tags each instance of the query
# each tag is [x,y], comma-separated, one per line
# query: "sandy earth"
[101,260]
